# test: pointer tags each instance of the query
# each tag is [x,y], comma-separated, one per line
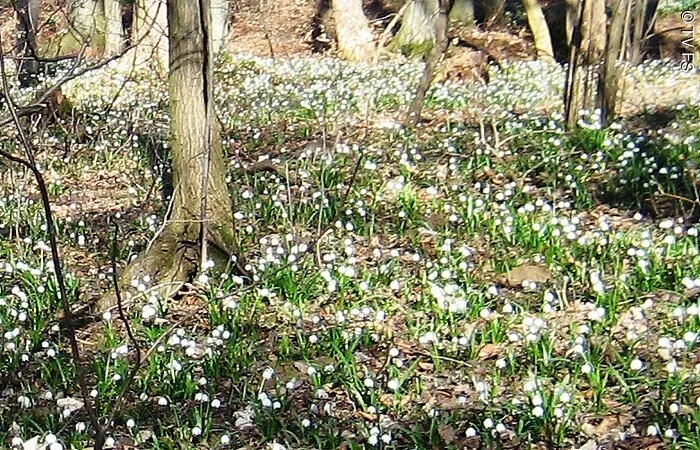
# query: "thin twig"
[30,164]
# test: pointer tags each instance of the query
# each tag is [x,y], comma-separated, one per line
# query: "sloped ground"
[506,285]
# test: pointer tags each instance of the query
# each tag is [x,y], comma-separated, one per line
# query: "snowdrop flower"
[268,373]
[636,364]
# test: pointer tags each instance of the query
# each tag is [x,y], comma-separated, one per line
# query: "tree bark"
[572,14]
[540,30]
[416,36]
[463,13]
[643,18]
[201,209]
[219,24]
[151,35]
[25,47]
[438,50]
[593,31]
[86,20]
[355,39]
[114,34]
[609,79]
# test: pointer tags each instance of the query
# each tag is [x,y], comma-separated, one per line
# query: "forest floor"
[484,280]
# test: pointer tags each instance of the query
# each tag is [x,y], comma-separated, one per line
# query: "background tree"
[355,39]
[417,32]
[114,33]
[609,79]
[150,34]
[463,12]
[436,53]
[26,45]
[86,24]
[643,18]
[540,30]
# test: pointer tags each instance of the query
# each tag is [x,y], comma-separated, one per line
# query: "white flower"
[268,373]
[148,312]
[196,431]
[636,364]
[488,423]
[393,384]
[471,432]
[224,439]
[537,411]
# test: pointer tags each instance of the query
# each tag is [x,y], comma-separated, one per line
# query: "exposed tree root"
[169,263]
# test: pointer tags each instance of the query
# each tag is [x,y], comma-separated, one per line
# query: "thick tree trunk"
[463,13]
[114,34]
[417,33]
[25,47]
[593,27]
[593,31]
[151,34]
[355,39]
[540,30]
[86,21]
[219,24]
[201,209]
[609,80]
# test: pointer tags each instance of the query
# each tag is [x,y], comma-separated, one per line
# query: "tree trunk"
[219,24]
[441,25]
[151,34]
[86,20]
[27,20]
[643,18]
[201,209]
[593,27]
[417,33]
[609,80]
[540,30]
[593,31]
[572,14]
[355,39]
[462,12]
[114,34]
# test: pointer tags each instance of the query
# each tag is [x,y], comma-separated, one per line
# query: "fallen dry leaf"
[447,433]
